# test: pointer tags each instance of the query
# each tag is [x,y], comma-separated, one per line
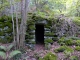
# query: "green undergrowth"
[69,41]
[77,48]
[49,56]
[63,48]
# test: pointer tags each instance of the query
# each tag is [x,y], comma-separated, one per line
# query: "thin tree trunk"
[12,21]
[17,28]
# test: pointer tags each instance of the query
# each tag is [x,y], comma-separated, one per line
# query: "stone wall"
[33,19]
[54,27]
[5,29]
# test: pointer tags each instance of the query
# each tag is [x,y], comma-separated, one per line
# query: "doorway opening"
[39,33]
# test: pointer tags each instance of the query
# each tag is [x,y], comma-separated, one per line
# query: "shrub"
[69,49]
[40,59]
[50,56]
[77,48]
[61,40]
[68,42]
[63,48]
[77,43]
[74,58]
[67,53]
[65,41]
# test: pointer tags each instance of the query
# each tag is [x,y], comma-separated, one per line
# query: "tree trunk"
[12,21]
[24,10]
[17,28]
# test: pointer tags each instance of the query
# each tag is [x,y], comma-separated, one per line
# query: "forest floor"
[40,51]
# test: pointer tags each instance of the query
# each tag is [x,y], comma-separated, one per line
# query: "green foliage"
[40,59]
[61,40]
[13,53]
[69,49]
[48,34]
[2,48]
[67,53]
[29,37]
[31,27]
[77,43]
[3,4]
[48,41]
[65,41]
[6,49]
[6,29]
[77,21]
[6,55]
[3,55]
[62,49]
[74,58]
[30,22]
[50,56]
[68,42]
[9,47]
[47,26]
[77,48]
[74,38]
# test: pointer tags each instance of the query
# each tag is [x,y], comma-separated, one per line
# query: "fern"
[10,47]
[3,55]
[2,48]
[4,52]
[13,53]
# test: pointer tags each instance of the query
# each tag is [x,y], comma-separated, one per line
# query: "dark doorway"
[39,33]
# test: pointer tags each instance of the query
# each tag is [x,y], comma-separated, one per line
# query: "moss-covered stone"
[5,29]
[33,19]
